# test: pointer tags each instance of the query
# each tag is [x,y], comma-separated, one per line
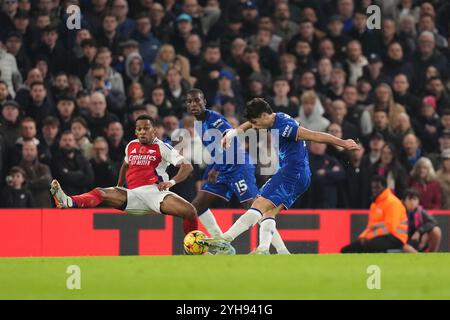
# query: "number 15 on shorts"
[241,186]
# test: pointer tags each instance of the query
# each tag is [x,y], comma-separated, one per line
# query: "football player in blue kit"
[290,181]
[230,172]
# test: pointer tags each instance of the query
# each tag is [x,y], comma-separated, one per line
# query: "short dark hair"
[195,91]
[146,117]
[88,43]
[256,107]
[17,169]
[380,179]
[51,121]
[411,193]
[37,83]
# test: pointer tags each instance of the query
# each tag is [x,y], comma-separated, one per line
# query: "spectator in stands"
[148,43]
[135,71]
[40,105]
[338,113]
[167,58]
[411,151]
[81,35]
[136,95]
[357,113]
[89,51]
[65,111]
[99,117]
[424,180]
[427,55]
[387,228]
[10,123]
[428,124]
[327,173]
[162,27]
[176,88]
[384,100]
[109,36]
[311,112]
[357,182]
[28,132]
[284,26]
[23,96]
[444,179]
[114,98]
[70,167]
[48,139]
[395,63]
[288,67]
[337,84]
[4,93]
[281,101]
[376,144]
[424,234]
[193,50]
[381,125]
[80,131]
[38,175]
[60,86]
[16,194]
[116,142]
[14,46]
[337,152]
[10,71]
[209,70]
[389,167]
[404,97]
[112,77]
[440,92]
[105,171]
[426,23]
[51,48]
[355,62]
[120,10]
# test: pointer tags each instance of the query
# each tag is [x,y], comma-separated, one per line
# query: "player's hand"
[212,176]
[228,137]
[163,186]
[350,145]
[416,236]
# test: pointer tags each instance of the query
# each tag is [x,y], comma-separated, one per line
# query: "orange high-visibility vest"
[387,216]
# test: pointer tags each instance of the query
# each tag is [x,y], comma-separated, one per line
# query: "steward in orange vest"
[387,228]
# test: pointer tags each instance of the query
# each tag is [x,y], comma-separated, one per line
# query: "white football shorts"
[146,200]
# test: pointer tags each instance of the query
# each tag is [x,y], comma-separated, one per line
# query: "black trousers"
[375,245]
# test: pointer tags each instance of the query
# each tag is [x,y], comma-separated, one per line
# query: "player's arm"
[184,170]
[122,174]
[232,133]
[321,137]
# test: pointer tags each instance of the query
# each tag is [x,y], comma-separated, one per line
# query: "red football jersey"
[147,164]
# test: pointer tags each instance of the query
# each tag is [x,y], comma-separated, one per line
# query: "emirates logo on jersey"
[142,159]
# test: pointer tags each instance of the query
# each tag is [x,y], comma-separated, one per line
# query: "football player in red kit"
[144,171]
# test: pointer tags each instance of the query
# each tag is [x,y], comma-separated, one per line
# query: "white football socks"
[209,222]
[245,222]
[267,230]
[278,243]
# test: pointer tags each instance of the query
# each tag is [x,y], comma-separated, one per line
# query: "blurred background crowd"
[69,97]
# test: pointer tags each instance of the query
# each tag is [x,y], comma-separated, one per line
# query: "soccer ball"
[192,245]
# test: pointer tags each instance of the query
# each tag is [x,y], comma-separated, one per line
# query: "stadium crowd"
[69,97]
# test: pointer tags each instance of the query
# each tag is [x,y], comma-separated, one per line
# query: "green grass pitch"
[425,276]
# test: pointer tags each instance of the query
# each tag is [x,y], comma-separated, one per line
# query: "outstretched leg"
[178,207]
[111,197]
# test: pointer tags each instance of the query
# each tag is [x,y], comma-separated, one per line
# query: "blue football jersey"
[211,132]
[293,154]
